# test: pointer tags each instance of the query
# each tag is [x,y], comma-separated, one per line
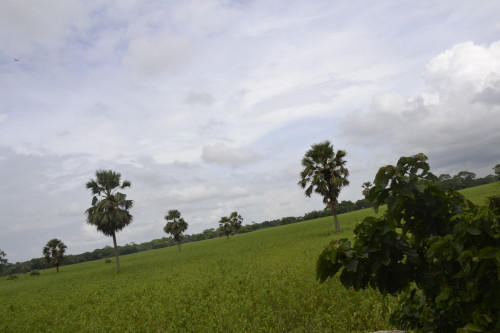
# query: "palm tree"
[3,260]
[225,226]
[176,227]
[325,173]
[110,209]
[235,219]
[54,252]
[366,189]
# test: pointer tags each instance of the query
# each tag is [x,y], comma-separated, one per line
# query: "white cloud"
[219,153]
[193,193]
[450,124]
[154,56]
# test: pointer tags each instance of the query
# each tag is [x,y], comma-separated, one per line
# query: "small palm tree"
[3,260]
[235,219]
[110,209]
[176,227]
[366,189]
[225,226]
[325,173]
[54,252]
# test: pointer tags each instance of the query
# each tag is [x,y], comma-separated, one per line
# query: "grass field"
[263,281]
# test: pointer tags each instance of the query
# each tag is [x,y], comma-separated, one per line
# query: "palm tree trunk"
[179,245]
[333,207]
[116,254]
[337,225]
[57,268]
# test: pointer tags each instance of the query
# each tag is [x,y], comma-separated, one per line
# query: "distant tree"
[464,179]
[110,209]
[176,227]
[496,168]
[3,260]
[235,220]
[54,252]
[366,189]
[225,226]
[325,173]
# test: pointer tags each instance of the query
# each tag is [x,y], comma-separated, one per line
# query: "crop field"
[263,281]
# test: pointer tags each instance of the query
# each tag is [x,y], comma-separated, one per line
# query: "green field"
[263,281]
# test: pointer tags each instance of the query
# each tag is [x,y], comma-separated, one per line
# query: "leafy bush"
[434,248]
[35,272]
[12,277]
[107,261]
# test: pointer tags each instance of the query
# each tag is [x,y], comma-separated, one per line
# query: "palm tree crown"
[110,209]
[54,252]
[324,173]
[177,225]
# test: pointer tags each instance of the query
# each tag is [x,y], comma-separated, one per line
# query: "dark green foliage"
[110,209]
[465,179]
[225,227]
[12,277]
[53,252]
[34,272]
[230,225]
[496,168]
[176,226]
[3,260]
[437,250]
[236,220]
[325,174]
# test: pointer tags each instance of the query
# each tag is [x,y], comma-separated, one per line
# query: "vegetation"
[53,252]
[325,173]
[433,247]
[3,260]
[262,281]
[236,220]
[496,168]
[230,225]
[110,209]
[176,226]
[464,179]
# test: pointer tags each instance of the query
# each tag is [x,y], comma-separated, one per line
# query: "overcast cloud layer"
[208,106]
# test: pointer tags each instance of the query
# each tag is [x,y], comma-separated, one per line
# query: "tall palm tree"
[110,209]
[235,220]
[176,227]
[54,252]
[325,173]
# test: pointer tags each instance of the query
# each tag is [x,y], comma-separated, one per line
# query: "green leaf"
[471,327]
[473,231]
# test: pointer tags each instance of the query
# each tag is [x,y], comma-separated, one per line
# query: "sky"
[208,106]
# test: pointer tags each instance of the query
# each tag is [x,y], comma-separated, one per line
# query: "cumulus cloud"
[152,56]
[221,154]
[456,120]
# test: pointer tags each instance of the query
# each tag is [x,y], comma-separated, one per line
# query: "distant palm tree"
[235,219]
[3,260]
[176,227]
[225,226]
[54,252]
[110,209]
[325,173]
[366,189]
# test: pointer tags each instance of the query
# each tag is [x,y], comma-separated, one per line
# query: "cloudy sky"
[208,106]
